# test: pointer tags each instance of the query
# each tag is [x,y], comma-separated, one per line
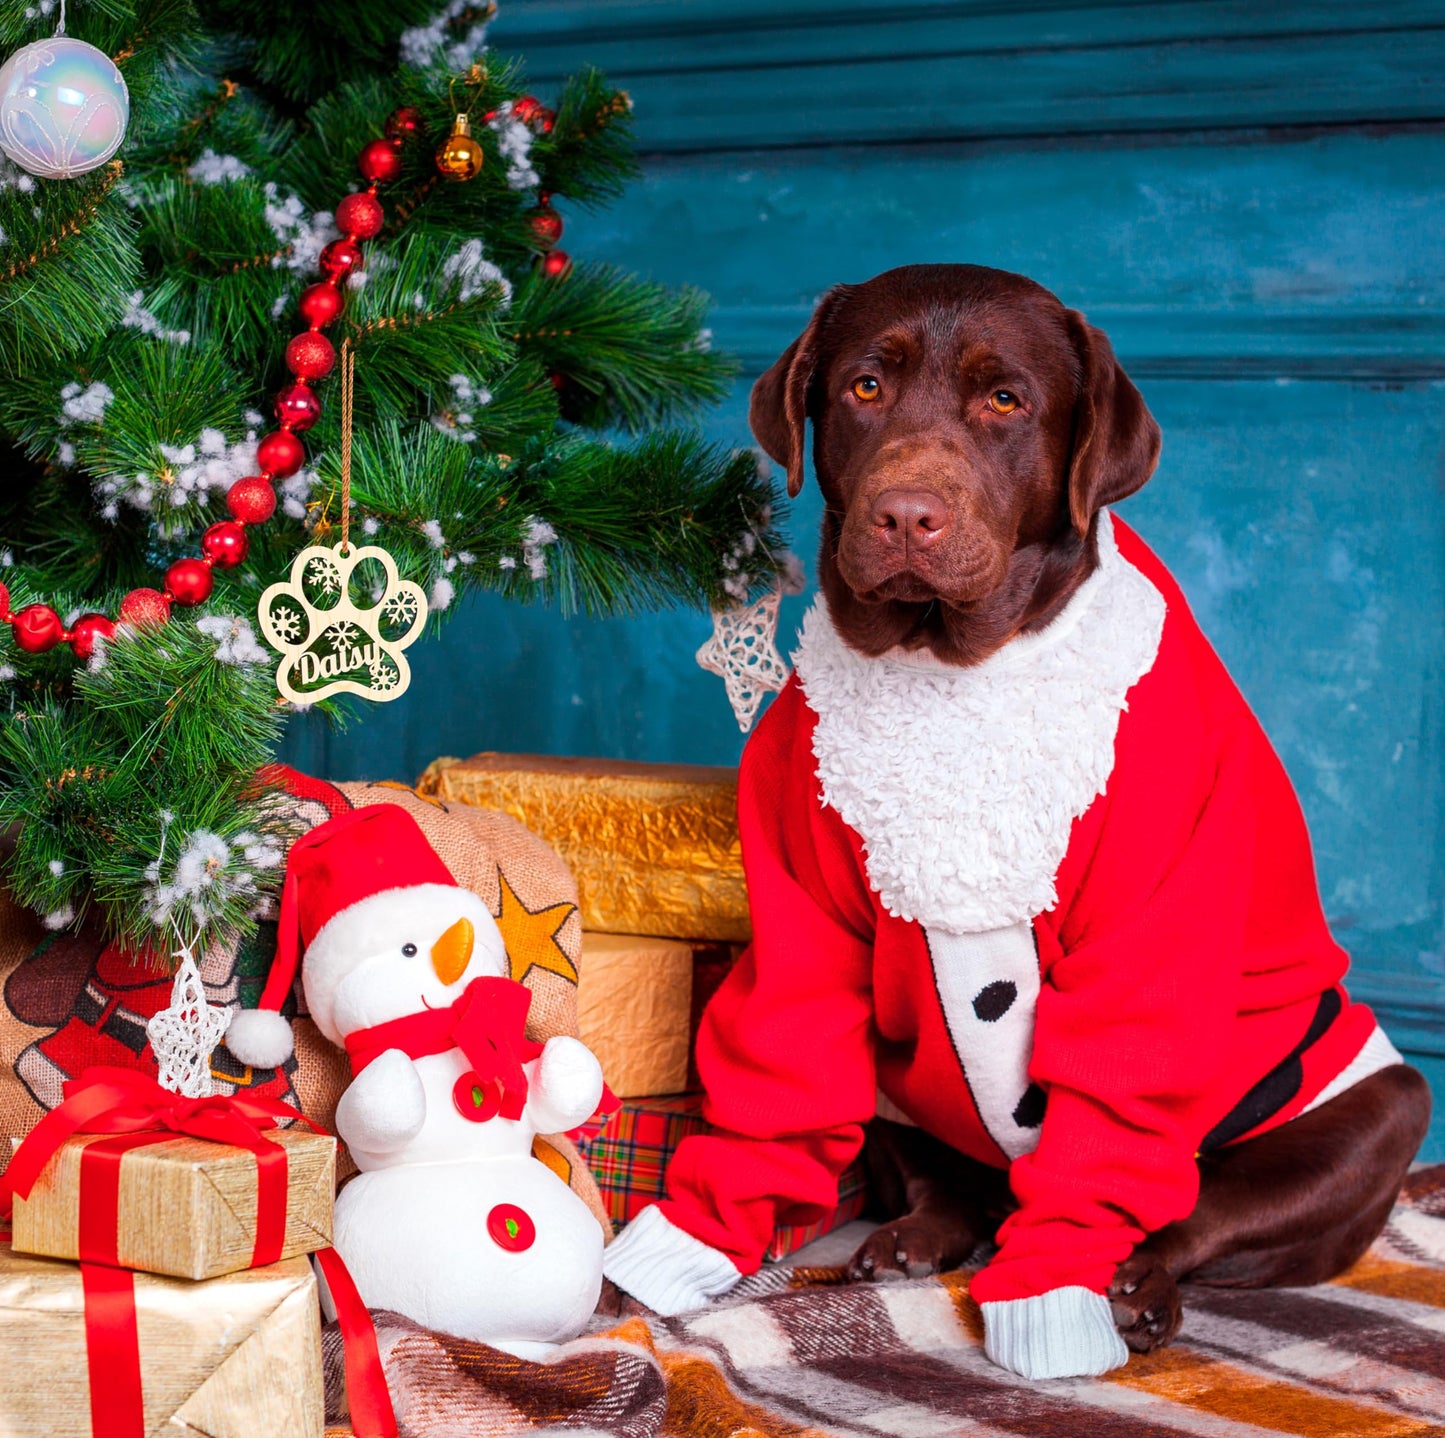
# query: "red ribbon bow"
[135,1108]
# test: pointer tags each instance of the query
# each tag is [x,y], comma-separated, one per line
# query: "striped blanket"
[798,1352]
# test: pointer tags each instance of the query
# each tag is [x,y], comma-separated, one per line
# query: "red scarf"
[487,1023]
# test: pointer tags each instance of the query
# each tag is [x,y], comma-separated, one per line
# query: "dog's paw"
[1147,1304]
[912,1247]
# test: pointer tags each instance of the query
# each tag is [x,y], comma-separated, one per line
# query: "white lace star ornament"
[184,1036]
[743,652]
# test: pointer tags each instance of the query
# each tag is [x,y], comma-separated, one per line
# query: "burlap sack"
[72,1000]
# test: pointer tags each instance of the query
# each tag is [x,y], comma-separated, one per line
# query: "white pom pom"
[259,1037]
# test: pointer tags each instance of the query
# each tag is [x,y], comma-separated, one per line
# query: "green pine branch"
[508,427]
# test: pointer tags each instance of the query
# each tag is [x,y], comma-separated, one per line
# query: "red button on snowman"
[451,1221]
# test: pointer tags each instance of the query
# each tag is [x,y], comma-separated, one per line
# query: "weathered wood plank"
[1315,258]
[952,72]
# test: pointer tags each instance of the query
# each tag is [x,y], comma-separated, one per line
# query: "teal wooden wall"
[1246,197]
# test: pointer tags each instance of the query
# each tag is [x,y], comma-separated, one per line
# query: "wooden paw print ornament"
[329,642]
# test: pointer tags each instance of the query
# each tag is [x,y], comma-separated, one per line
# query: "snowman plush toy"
[451,1221]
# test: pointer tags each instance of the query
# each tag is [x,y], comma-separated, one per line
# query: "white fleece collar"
[964,783]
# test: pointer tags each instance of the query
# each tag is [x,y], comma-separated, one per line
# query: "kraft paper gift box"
[654,847]
[634,1009]
[629,1152]
[233,1357]
[187,1206]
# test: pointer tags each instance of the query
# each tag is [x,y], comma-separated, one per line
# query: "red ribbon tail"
[271,1179]
[367,1397]
[112,1345]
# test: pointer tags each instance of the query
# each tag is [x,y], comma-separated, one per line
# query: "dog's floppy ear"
[1116,439]
[778,412]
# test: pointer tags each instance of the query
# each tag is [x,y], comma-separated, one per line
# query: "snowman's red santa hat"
[353,857]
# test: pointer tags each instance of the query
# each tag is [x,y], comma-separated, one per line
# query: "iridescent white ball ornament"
[63,108]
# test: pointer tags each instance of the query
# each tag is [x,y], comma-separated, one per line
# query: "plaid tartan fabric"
[628,1153]
[798,1353]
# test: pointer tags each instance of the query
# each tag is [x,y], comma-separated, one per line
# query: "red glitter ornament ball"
[360,214]
[86,630]
[5,615]
[310,355]
[380,161]
[320,305]
[189,581]
[403,123]
[37,628]
[546,226]
[340,258]
[546,119]
[280,454]
[527,108]
[145,607]
[298,407]
[557,264]
[225,544]
[559,380]
[251,500]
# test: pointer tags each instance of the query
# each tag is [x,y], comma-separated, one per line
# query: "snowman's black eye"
[409,950]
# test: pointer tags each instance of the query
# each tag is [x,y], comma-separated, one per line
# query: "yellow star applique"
[531,939]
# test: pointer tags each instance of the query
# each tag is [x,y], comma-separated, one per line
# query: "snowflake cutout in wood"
[399,609]
[184,1036]
[286,622]
[345,647]
[383,675]
[323,573]
[743,652]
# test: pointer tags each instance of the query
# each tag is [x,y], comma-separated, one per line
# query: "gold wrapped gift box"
[634,1005]
[187,1207]
[234,1357]
[654,847]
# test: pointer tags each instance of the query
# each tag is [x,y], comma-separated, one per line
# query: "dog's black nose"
[912,517]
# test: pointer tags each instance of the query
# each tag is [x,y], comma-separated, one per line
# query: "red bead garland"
[556,264]
[189,582]
[86,630]
[310,355]
[145,607]
[340,258]
[225,544]
[297,407]
[401,124]
[546,226]
[320,305]
[279,454]
[380,162]
[361,215]
[37,628]
[252,500]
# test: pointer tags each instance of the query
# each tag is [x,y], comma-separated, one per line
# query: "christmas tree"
[513,423]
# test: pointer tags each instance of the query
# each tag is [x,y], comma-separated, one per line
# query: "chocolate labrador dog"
[968,428]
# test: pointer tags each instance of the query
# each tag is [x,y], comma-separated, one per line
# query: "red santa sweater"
[1060,909]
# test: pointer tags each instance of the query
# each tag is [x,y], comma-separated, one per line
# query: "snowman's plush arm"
[566,1086]
[384,1107]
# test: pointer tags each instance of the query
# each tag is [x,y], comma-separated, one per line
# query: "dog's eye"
[867,388]
[1003,401]
[409,950]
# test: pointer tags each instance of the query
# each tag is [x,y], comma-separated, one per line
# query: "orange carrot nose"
[453,951]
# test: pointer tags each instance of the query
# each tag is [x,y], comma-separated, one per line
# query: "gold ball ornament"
[459,157]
